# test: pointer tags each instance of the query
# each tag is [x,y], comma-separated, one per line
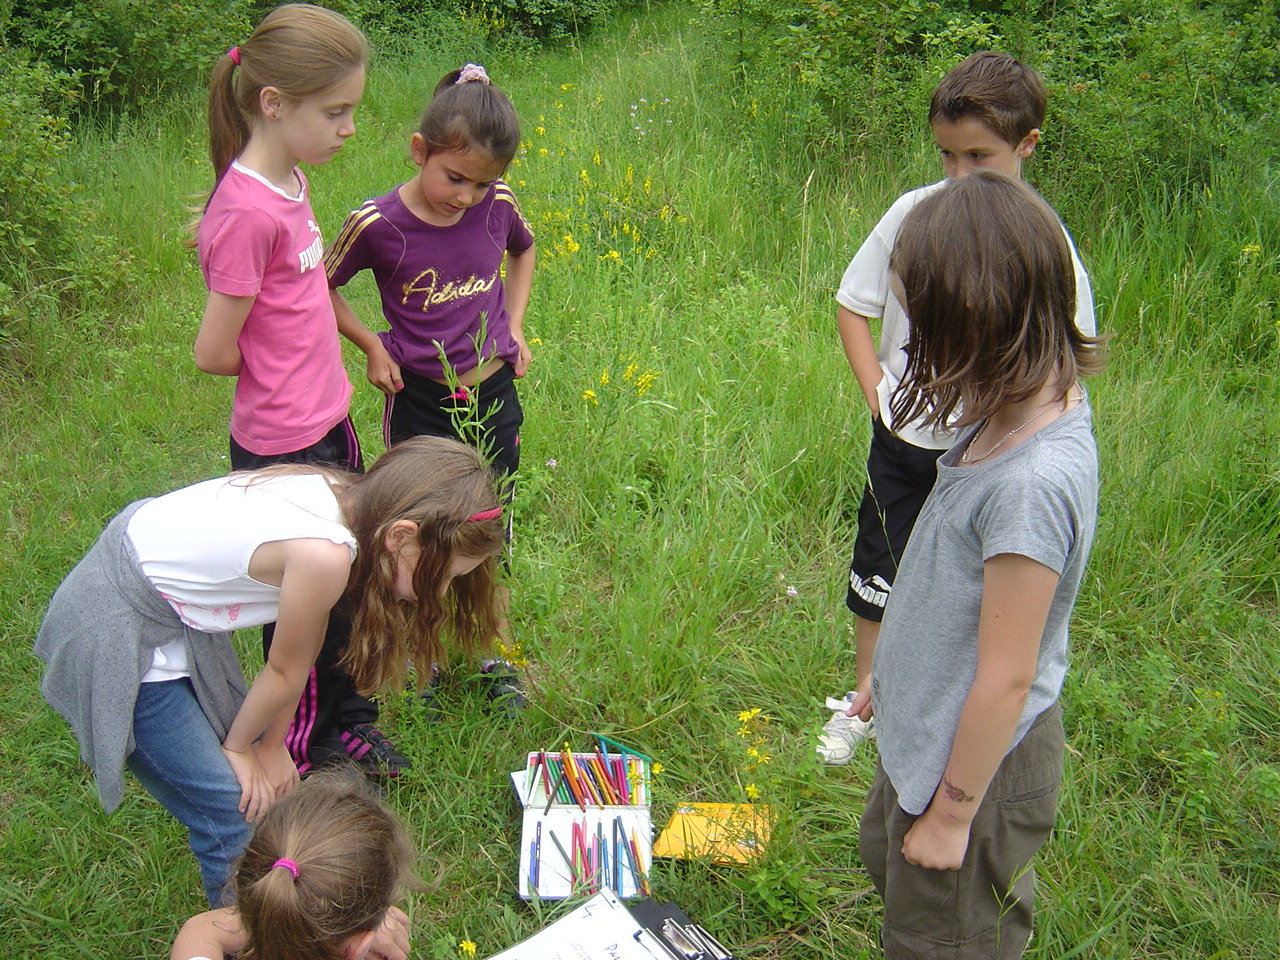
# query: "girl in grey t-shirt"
[973,648]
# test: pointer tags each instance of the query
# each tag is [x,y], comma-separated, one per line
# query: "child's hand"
[391,939]
[861,706]
[382,371]
[279,768]
[936,842]
[525,357]
[256,792]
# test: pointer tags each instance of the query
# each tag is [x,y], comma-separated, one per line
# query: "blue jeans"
[180,762]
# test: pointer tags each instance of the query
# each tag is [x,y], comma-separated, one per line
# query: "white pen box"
[587,825]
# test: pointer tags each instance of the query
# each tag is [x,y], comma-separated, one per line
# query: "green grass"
[653,559]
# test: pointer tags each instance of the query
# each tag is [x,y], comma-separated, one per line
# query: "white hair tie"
[471,72]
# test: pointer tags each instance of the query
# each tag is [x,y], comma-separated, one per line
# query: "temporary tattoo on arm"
[955,794]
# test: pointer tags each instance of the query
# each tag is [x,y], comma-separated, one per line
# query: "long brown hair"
[438,484]
[990,294]
[470,114]
[353,859]
[299,49]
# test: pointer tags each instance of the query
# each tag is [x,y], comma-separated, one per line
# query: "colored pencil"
[568,861]
[617,855]
[551,798]
[531,777]
[625,749]
[609,785]
[644,881]
[537,856]
[626,848]
[574,787]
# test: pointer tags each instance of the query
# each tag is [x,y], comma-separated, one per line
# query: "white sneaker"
[841,734]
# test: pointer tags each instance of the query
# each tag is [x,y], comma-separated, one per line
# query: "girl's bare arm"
[519,284]
[217,346]
[1016,594]
[312,575]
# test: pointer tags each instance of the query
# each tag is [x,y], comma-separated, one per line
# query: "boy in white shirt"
[985,114]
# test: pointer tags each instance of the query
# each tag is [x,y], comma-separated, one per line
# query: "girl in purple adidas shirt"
[436,246]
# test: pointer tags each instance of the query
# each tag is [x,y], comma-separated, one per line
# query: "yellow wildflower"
[613,255]
[756,757]
[467,948]
[746,716]
[595,158]
[657,768]
[645,382]
[540,131]
[590,397]
[604,377]
[753,792]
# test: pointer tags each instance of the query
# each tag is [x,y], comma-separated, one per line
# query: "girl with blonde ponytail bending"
[317,880]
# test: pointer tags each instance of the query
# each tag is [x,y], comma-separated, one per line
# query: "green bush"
[548,20]
[51,256]
[1144,91]
[124,53]
[35,208]
[1140,89]
[505,24]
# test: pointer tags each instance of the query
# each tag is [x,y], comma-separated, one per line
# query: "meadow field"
[693,456]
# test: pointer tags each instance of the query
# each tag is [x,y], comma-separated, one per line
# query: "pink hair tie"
[234,54]
[493,514]
[472,72]
[288,865]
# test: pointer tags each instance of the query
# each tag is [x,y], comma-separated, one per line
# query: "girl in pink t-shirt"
[283,97]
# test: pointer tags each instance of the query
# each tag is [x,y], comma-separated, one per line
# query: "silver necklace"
[966,458]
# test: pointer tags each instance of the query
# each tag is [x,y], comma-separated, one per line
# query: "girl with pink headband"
[137,639]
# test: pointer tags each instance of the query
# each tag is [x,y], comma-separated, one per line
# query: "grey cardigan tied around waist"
[97,640]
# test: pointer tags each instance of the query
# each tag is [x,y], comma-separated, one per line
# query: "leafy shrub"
[837,72]
[1140,89]
[504,23]
[126,52]
[51,258]
[1152,91]
[548,20]
[34,206]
